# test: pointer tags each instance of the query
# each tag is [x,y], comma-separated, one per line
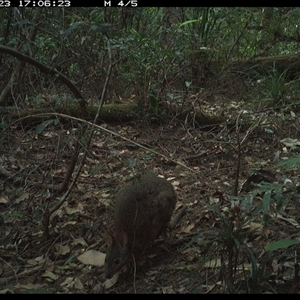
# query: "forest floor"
[218,246]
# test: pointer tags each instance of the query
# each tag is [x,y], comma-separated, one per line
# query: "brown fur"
[143,210]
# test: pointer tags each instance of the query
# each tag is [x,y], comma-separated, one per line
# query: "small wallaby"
[143,210]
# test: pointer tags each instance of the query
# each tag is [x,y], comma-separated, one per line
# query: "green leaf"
[188,22]
[253,263]
[266,202]
[290,163]
[131,162]
[41,127]
[74,26]
[3,125]
[282,244]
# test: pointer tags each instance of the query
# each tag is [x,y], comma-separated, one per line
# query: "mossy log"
[111,113]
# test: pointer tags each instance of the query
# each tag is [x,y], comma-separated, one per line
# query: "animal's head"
[117,254]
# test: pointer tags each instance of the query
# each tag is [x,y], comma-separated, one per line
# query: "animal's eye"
[116,261]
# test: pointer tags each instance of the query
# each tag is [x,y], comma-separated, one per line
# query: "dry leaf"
[254,227]
[213,200]
[105,195]
[291,221]
[111,282]
[71,282]
[22,198]
[79,241]
[92,257]
[176,183]
[67,281]
[29,286]
[74,210]
[69,223]
[5,291]
[50,275]
[266,231]
[188,228]
[288,142]
[63,250]
[78,284]
[36,261]
[214,263]
[3,199]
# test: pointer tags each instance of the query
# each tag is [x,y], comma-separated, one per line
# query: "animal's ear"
[123,239]
[109,237]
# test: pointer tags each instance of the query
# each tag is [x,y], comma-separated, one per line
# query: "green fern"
[290,163]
